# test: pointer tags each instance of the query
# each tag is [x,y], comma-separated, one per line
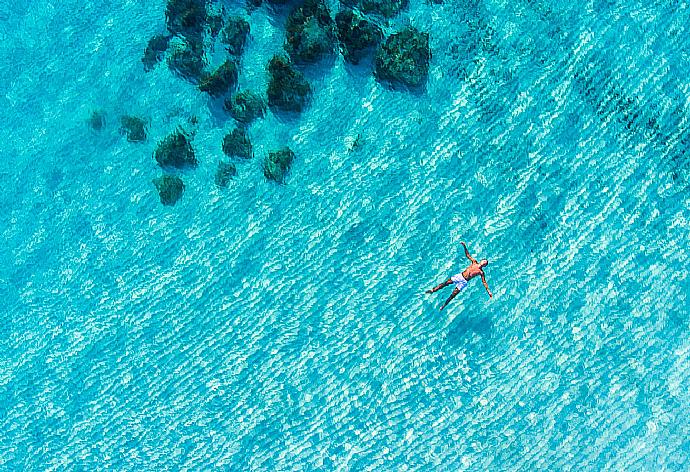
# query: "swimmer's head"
[483,263]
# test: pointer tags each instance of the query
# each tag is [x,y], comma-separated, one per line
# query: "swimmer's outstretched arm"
[467,253]
[452,295]
[486,286]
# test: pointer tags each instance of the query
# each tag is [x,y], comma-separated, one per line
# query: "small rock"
[134,127]
[154,51]
[215,24]
[170,189]
[310,32]
[234,35]
[175,151]
[277,164]
[404,58]
[236,143]
[357,35]
[288,89]
[97,120]
[246,106]
[186,17]
[226,171]
[187,60]
[221,80]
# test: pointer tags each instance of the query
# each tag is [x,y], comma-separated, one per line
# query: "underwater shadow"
[470,330]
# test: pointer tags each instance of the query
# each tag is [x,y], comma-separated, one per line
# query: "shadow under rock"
[216,107]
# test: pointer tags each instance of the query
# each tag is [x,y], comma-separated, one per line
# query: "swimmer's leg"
[440,286]
[452,295]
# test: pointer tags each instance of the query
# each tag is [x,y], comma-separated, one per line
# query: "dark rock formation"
[310,32]
[215,24]
[220,81]
[288,89]
[97,120]
[357,35]
[170,189]
[277,164]
[134,127]
[175,151]
[225,172]
[236,143]
[154,51]
[187,60]
[246,106]
[404,58]
[234,35]
[186,17]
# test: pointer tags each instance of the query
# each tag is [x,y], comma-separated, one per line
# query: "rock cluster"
[311,33]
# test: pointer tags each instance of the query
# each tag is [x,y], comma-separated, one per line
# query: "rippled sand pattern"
[268,327]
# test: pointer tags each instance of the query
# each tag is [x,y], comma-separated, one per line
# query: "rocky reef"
[246,106]
[288,89]
[309,32]
[175,151]
[237,144]
[170,189]
[277,164]
[404,58]
[357,35]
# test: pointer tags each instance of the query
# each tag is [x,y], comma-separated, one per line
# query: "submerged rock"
[225,172]
[234,35]
[97,120]
[246,106]
[310,32]
[220,81]
[186,17]
[288,89]
[175,151]
[170,189]
[154,51]
[357,35]
[134,127]
[404,58]
[215,24]
[277,164]
[236,143]
[187,60]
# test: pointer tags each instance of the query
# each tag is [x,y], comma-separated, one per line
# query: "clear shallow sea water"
[267,327]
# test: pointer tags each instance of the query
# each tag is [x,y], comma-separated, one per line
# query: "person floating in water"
[460,280]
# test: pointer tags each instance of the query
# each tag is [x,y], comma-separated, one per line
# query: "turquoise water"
[268,327]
